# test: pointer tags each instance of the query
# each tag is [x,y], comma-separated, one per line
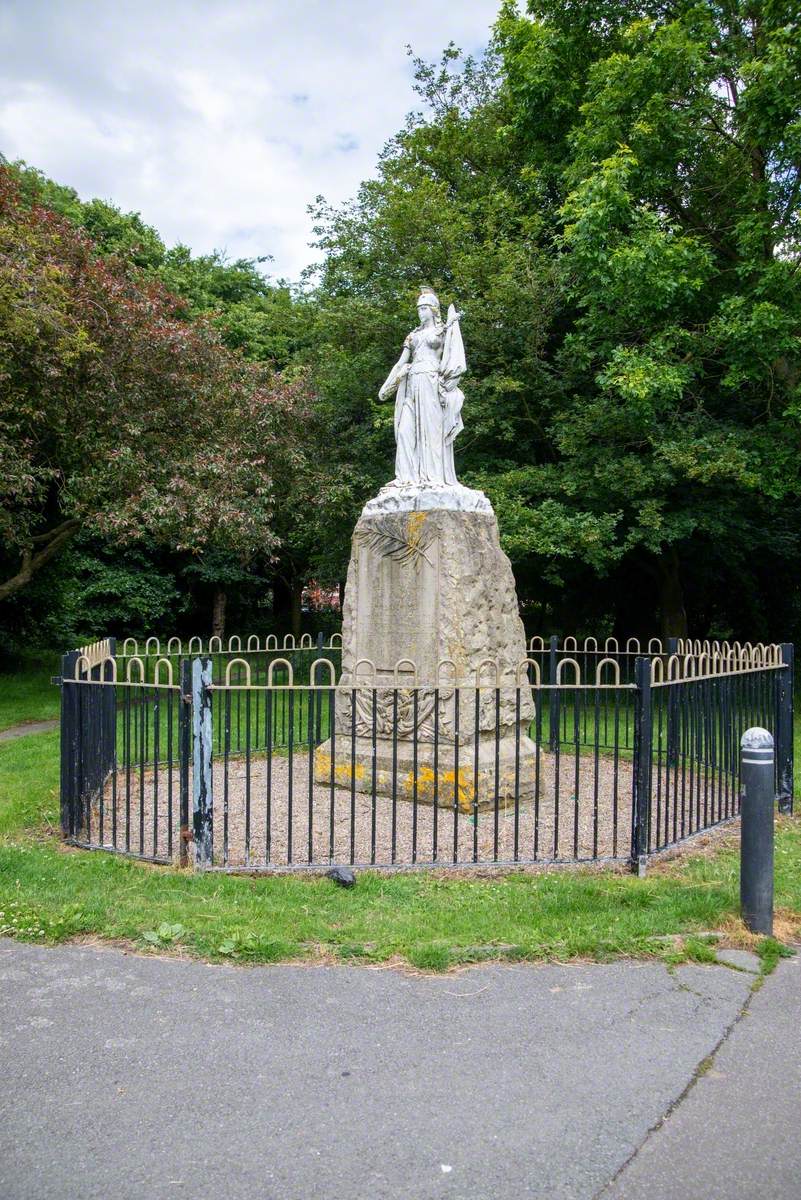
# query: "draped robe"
[428,403]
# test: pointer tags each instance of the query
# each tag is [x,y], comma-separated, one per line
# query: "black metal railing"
[125,749]
[575,758]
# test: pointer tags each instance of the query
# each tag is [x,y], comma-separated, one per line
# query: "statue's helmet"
[428,297]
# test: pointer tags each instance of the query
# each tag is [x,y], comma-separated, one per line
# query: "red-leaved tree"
[120,416]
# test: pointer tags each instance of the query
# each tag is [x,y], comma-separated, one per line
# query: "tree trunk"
[282,606]
[297,613]
[341,594]
[34,559]
[673,616]
[218,613]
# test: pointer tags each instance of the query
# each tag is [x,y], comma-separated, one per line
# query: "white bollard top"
[757,745]
[756,739]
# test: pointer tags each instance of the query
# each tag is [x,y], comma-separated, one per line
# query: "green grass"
[29,781]
[49,893]
[431,921]
[27,694]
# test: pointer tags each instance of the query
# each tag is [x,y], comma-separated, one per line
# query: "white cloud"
[218,121]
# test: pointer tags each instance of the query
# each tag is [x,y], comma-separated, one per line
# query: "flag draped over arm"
[452,367]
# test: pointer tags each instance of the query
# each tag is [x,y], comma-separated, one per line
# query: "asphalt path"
[134,1076]
[735,1134]
[22,730]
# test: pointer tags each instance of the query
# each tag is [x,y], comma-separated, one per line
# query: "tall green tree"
[614,192]
[664,142]
[264,322]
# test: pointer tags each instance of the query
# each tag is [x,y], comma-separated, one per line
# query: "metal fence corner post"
[70,747]
[784,732]
[203,798]
[553,667]
[184,752]
[641,800]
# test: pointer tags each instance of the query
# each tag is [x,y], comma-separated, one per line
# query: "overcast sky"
[218,121]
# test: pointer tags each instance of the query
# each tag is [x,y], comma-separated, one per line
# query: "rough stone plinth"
[430,586]
[430,602]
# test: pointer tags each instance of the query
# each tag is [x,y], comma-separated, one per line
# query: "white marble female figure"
[428,403]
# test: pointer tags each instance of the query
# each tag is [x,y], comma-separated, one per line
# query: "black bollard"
[756,838]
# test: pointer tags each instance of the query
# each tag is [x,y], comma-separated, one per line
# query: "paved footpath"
[735,1135]
[27,727]
[136,1077]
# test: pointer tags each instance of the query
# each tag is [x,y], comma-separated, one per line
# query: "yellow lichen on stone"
[426,779]
[414,529]
[343,771]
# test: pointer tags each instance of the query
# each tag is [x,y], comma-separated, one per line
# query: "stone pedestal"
[430,611]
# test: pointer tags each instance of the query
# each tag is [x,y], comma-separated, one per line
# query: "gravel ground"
[349,828]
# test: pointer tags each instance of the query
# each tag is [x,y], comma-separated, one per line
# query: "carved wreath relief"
[402,719]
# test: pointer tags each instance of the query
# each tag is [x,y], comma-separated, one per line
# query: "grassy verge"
[49,893]
[27,694]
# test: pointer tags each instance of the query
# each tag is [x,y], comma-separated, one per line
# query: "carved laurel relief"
[403,537]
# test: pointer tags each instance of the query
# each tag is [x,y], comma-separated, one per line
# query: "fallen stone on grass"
[342,876]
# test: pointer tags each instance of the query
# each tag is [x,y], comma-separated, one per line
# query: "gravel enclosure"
[571,768]
[347,827]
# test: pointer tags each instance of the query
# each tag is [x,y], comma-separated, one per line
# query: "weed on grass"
[770,951]
[165,935]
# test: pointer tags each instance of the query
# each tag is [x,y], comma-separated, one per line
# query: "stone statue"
[428,400]
[428,417]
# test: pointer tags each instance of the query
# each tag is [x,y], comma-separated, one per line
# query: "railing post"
[203,797]
[69,743]
[553,667]
[641,803]
[184,751]
[317,699]
[756,835]
[109,701]
[91,750]
[784,732]
[672,748]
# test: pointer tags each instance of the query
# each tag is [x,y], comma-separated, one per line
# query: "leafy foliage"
[121,417]
[674,179]
[614,189]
